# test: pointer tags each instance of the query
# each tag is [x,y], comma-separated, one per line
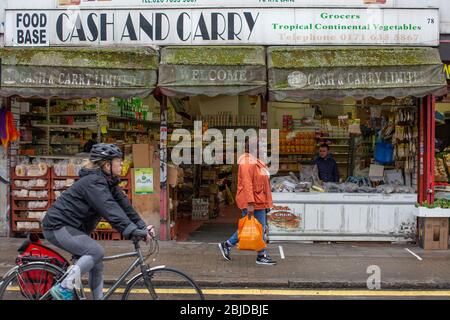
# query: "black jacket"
[328,169]
[92,197]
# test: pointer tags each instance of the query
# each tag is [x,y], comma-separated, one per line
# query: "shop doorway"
[204,203]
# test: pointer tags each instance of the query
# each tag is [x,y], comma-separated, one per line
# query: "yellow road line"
[293,292]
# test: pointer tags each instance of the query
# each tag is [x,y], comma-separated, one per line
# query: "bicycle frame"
[140,261]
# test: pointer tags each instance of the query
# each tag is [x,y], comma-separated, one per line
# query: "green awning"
[78,72]
[210,71]
[298,73]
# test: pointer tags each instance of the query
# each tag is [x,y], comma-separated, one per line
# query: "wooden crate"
[433,233]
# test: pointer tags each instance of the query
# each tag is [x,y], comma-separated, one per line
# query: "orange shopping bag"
[250,234]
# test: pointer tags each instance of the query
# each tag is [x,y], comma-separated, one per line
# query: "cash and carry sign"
[222,26]
[219,3]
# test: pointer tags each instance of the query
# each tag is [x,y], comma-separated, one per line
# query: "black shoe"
[225,249]
[265,260]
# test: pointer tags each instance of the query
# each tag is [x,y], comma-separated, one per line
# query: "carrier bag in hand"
[250,234]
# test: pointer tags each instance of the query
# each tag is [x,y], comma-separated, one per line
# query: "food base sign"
[255,26]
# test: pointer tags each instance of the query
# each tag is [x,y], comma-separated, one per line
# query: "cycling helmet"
[104,151]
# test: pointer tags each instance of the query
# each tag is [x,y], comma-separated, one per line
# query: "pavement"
[300,265]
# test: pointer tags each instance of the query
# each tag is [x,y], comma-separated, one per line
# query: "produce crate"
[200,209]
[106,235]
[433,233]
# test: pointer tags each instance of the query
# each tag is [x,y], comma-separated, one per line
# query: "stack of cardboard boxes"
[147,156]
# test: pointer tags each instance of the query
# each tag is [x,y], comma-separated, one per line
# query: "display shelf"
[14,176]
[66,142]
[32,114]
[50,177]
[27,219]
[13,187]
[68,126]
[125,119]
[30,198]
[336,145]
[16,208]
[27,230]
[332,138]
[59,157]
[73,113]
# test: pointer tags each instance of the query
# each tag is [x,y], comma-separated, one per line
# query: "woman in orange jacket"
[254,196]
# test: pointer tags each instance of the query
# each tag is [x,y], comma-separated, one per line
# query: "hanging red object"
[9,131]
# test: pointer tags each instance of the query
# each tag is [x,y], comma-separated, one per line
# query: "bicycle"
[157,283]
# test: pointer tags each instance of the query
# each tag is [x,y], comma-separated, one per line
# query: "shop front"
[64,99]
[214,87]
[371,107]
[218,65]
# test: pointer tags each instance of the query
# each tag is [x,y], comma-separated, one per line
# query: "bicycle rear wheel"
[163,284]
[30,282]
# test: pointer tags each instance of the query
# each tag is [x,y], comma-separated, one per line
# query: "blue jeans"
[260,215]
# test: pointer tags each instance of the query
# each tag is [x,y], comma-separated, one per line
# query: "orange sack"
[250,234]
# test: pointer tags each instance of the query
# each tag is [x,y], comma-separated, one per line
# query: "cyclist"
[76,213]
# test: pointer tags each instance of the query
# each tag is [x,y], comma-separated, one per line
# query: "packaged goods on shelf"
[36,214]
[31,170]
[61,184]
[440,173]
[70,167]
[446,158]
[200,209]
[37,204]
[38,183]
[20,193]
[28,225]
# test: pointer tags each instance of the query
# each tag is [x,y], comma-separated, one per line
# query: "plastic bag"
[384,153]
[250,234]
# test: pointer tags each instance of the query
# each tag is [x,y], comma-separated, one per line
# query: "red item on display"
[11,132]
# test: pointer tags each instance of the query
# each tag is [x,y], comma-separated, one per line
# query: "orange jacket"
[253,184]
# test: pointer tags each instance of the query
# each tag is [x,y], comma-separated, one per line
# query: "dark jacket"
[92,197]
[328,170]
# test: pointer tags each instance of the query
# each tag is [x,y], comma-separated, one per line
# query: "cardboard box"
[144,155]
[172,175]
[148,206]
[433,233]
[209,175]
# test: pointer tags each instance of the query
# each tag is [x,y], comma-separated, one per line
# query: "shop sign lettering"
[48,77]
[218,75]
[198,26]
[298,79]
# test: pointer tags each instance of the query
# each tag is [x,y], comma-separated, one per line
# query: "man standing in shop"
[254,197]
[88,145]
[326,165]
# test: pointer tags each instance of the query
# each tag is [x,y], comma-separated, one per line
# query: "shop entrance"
[205,200]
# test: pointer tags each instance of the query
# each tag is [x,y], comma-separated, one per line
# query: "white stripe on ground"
[415,255]
[281,252]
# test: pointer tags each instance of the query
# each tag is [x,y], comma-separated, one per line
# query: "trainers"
[225,249]
[58,292]
[265,260]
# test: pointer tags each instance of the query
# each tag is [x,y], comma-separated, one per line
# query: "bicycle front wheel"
[163,284]
[30,282]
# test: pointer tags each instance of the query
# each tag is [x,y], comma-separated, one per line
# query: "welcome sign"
[263,26]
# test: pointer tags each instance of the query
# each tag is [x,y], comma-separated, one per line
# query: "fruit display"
[297,142]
